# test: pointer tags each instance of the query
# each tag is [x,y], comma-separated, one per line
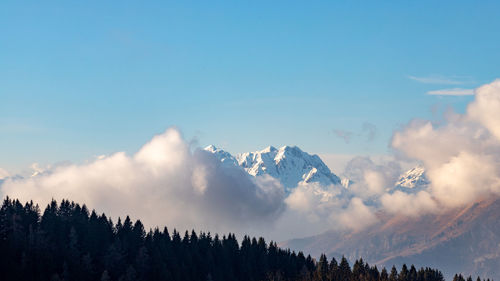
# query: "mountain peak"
[289,164]
[413,178]
[268,149]
[290,148]
[223,156]
[211,148]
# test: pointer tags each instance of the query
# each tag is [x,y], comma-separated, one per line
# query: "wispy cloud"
[442,80]
[368,130]
[452,92]
[343,134]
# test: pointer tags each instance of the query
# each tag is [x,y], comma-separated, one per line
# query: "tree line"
[69,242]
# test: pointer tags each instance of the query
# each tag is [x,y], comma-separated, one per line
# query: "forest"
[69,242]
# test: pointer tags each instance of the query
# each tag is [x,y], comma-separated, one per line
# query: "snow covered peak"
[225,157]
[413,178]
[268,149]
[289,164]
[211,148]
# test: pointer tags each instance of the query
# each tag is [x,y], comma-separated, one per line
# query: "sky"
[82,79]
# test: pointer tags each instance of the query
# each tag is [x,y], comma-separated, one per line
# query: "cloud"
[371,179]
[452,92]
[320,208]
[164,183]
[343,134]
[357,215]
[409,204]
[461,156]
[3,174]
[486,107]
[370,130]
[314,200]
[168,183]
[438,80]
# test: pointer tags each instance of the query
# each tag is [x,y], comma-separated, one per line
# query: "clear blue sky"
[84,78]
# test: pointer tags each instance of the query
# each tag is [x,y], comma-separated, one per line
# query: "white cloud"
[409,204]
[462,156]
[164,183]
[371,179]
[452,92]
[356,216]
[315,200]
[3,173]
[438,80]
[486,107]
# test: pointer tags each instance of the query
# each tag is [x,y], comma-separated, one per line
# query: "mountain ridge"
[289,164]
[465,239]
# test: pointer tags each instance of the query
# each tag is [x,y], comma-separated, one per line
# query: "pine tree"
[322,269]
[105,276]
[344,269]
[66,243]
[394,274]
[383,275]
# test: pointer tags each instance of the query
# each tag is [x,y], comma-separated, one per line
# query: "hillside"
[464,240]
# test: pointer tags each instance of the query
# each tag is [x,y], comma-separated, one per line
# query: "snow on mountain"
[414,178]
[289,164]
[225,157]
[345,182]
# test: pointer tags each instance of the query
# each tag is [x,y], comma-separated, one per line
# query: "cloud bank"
[168,183]
[164,183]
[462,156]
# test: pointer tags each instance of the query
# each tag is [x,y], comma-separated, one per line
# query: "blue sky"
[80,79]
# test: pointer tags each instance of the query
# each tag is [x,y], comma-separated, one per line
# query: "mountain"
[289,164]
[225,157]
[410,181]
[463,240]
[414,178]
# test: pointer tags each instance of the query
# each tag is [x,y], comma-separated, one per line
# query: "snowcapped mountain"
[225,157]
[289,164]
[414,178]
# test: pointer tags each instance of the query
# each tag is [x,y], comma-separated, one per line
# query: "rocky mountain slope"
[464,240]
